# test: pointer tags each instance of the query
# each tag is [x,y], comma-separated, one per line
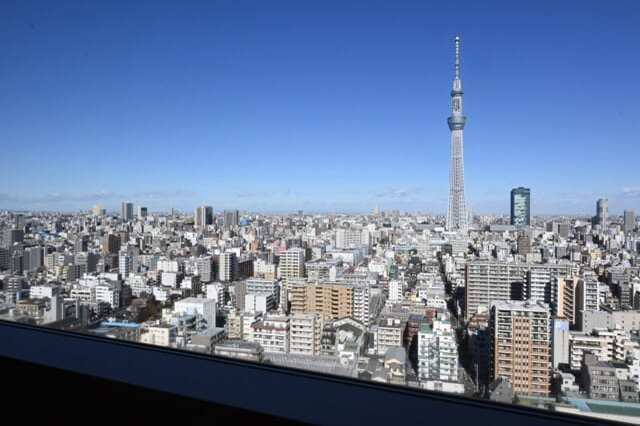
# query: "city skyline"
[119,118]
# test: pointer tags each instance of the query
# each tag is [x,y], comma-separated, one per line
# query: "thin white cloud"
[631,191]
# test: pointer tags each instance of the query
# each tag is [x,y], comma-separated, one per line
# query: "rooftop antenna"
[457,62]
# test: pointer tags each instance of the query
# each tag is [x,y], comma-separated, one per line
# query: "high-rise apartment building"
[204,266]
[602,212]
[520,206]
[587,296]
[231,218]
[110,244]
[489,281]
[203,216]
[437,352]
[291,263]
[227,265]
[126,211]
[566,303]
[540,284]
[521,346]
[125,264]
[457,212]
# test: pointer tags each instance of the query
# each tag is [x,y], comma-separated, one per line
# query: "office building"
[32,258]
[629,221]
[231,219]
[602,212]
[521,346]
[204,267]
[110,244]
[81,244]
[520,207]
[126,211]
[203,216]
[142,212]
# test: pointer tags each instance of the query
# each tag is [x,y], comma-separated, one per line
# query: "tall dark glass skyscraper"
[520,206]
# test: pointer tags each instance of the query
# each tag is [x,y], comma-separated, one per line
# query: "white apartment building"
[226,266]
[396,288]
[206,308]
[165,265]
[362,304]
[170,279]
[437,352]
[305,333]
[263,269]
[125,264]
[108,294]
[215,291]
[351,238]
[388,332]
[540,279]
[292,263]
[272,333]
[43,291]
[139,284]
[259,303]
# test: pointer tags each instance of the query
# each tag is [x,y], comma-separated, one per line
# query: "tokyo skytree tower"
[457,211]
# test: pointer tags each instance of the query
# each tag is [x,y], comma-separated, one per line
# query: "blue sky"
[320,106]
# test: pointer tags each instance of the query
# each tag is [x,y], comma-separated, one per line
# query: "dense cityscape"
[536,310]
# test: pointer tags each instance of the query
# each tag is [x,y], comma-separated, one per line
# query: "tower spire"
[457,61]
[457,219]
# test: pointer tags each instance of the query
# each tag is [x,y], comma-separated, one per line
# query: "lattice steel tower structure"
[457,219]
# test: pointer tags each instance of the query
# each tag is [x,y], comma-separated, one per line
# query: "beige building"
[159,335]
[520,346]
[329,300]
[566,302]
